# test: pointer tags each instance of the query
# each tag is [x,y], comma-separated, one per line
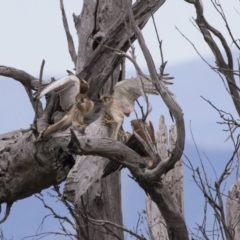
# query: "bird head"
[83,86]
[81,98]
[136,124]
[106,98]
[84,103]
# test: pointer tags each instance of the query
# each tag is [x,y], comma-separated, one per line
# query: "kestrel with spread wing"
[121,103]
[67,88]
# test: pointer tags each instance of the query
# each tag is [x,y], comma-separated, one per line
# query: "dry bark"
[27,167]
[51,158]
[233,214]
[173,182]
[142,12]
[102,200]
[155,188]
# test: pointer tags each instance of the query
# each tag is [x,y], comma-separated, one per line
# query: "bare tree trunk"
[173,182]
[103,200]
[233,213]
[98,204]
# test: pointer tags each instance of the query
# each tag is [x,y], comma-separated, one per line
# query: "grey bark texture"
[101,201]
[233,210]
[173,182]
[52,158]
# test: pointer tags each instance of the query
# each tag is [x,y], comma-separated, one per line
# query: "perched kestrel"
[83,106]
[75,116]
[122,102]
[136,145]
[67,88]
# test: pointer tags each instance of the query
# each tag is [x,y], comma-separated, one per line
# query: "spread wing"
[150,130]
[134,144]
[67,88]
[127,92]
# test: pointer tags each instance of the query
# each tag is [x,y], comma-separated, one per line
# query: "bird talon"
[108,121]
[40,136]
[125,135]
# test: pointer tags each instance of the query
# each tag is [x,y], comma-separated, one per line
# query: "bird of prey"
[67,88]
[121,102]
[82,108]
[75,116]
[135,144]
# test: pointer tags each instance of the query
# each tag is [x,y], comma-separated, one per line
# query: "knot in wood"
[98,200]
[142,165]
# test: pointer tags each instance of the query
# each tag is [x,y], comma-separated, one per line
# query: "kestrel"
[75,116]
[83,106]
[67,88]
[136,145]
[122,102]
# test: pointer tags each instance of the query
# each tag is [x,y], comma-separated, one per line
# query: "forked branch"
[226,68]
[24,78]
[176,154]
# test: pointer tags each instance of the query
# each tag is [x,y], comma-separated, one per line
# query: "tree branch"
[175,109]
[24,78]
[125,156]
[103,61]
[34,165]
[225,68]
[71,47]
[116,151]
[8,209]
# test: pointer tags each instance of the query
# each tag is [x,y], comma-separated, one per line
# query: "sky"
[32,31]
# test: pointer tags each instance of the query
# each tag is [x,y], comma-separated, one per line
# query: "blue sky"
[33,31]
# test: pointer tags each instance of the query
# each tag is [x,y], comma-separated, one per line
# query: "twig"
[8,209]
[167,98]
[232,123]
[43,235]
[54,213]
[121,53]
[207,30]
[194,48]
[36,102]
[24,78]
[221,12]
[102,223]
[71,47]
[163,64]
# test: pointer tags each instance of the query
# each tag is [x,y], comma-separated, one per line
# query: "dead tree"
[226,224]
[106,31]
[173,181]
[233,214]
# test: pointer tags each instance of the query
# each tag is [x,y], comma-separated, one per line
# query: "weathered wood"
[233,213]
[103,199]
[96,68]
[157,191]
[87,169]
[172,181]
[176,111]
[103,61]
[27,167]
[24,78]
